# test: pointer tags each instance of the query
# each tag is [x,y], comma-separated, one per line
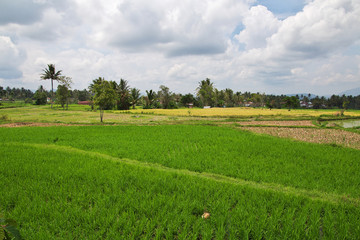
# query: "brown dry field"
[29,124]
[306,123]
[324,136]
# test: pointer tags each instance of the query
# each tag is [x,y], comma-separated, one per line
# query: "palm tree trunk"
[52,93]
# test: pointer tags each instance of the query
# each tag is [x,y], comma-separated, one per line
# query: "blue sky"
[282,8]
[259,46]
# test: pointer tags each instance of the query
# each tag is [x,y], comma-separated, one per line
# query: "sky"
[266,46]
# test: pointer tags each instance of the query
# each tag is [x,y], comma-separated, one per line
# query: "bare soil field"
[305,123]
[324,136]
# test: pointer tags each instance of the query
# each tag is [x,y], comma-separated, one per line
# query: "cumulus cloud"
[10,59]
[174,28]
[283,52]
[20,11]
[321,28]
[179,43]
[259,24]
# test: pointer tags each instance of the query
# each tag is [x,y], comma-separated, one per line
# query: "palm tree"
[50,73]
[135,96]
[124,95]
[205,91]
[150,98]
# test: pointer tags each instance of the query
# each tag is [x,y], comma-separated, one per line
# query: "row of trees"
[15,93]
[121,96]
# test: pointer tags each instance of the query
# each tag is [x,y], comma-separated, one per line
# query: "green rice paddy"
[155,182]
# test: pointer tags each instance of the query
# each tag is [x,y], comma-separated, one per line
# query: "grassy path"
[310,194]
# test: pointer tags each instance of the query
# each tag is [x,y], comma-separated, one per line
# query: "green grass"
[218,150]
[13,104]
[155,182]
[58,193]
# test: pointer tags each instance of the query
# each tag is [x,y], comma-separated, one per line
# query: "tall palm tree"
[135,96]
[150,98]
[205,91]
[124,95]
[50,73]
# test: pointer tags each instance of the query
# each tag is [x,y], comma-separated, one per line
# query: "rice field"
[241,112]
[156,182]
[155,174]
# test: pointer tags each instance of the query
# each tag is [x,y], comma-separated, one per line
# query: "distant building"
[248,104]
[190,105]
[84,102]
[306,104]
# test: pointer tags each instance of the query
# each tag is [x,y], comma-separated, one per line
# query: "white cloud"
[323,27]
[315,36]
[10,59]
[179,43]
[20,11]
[260,24]
[172,27]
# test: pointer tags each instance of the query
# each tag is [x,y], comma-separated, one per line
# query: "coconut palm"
[135,96]
[205,91]
[50,73]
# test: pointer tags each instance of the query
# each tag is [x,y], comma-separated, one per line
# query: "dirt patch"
[277,123]
[327,136]
[29,124]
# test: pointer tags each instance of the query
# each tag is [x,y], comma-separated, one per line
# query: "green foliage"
[292,102]
[28,100]
[150,99]
[188,98]
[8,229]
[135,96]
[40,96]
[62,95]
[165,97]
[104,95]
[4,117]
[205,91]
[123,97]
[52,74]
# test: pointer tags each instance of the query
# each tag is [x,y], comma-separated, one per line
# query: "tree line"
[119,95]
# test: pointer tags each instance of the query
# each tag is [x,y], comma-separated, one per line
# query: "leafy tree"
[104,94]
[292,102]
[335,101]
[40,96]
[229,97]
[205,91]
[83,95]
[50,73]
[63,93]
[318,102]
[135,96]
[219,97]
[188,98]
[165,96]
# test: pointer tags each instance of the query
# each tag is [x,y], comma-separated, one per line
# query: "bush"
[40,98]
[28,100]
[4,118]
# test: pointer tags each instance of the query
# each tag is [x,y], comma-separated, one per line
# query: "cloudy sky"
[271,46]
